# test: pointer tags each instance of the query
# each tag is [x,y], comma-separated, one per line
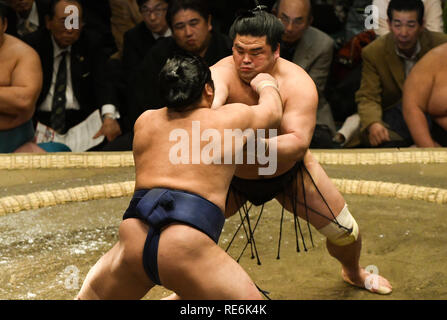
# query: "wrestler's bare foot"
[375,284]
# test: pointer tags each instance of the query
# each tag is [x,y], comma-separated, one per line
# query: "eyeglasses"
[158,12]
[295,22]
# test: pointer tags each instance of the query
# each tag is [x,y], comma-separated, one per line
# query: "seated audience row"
[83,72]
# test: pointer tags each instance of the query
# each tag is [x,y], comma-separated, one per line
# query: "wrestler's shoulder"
[144,118]
[287,67]
[288,73]
[19,48]
[433,60]
[439,52]
[225,64]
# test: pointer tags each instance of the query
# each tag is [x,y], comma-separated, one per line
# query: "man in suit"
[192,32]
[386,63]
[312,50]
[125,16]
[73,82]
[138,40]
[26,16]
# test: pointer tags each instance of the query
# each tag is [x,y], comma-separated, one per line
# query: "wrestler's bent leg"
[312,196]
[193,266]
[119,274]
[234,203]
[324,198]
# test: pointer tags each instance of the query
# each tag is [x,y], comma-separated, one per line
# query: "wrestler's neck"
[2,41]
[205,102]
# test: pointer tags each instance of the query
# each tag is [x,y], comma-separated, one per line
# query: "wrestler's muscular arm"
[300,99]
[220,85]
[17,101]
[262,115]
[416,94]
[266,114]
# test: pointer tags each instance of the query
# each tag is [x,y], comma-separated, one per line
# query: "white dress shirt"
[72,102]
[167,33]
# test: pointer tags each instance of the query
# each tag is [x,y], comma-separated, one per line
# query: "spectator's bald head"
[296,15]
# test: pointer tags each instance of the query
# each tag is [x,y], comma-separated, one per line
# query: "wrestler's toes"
[371,282]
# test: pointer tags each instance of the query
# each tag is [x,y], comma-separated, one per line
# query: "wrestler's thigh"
[325,199]
[132,235]
[194,267]
[119,273]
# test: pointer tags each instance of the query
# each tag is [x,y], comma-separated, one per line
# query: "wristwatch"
[109,116]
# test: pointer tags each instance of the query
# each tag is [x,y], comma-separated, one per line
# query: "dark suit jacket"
[87,73]
[143,90]
[97,15]
[137,43]
[43,7]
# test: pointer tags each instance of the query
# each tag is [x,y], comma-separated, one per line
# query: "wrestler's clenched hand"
[263,80]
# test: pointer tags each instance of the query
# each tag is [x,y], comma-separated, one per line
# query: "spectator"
[312,50]
[386,63]
[72,60]
[26,16]
[97,18]
[190,22]
[425,93]
[432,15]
[125,15]
[141,38]
[137,42]
[20,84]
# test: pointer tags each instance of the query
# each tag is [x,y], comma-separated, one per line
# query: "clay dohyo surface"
[46,253]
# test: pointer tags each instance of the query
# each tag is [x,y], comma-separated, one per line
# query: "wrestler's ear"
[209,90]
[5,24]
[210,25]
[277,51]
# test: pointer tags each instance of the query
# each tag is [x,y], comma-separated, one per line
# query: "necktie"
[59,98]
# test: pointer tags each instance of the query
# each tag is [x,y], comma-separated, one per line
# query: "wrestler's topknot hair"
[182,80]
[258,23]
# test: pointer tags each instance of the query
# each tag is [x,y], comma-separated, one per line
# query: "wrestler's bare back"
[172,149]
[20,67]
[299,96]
